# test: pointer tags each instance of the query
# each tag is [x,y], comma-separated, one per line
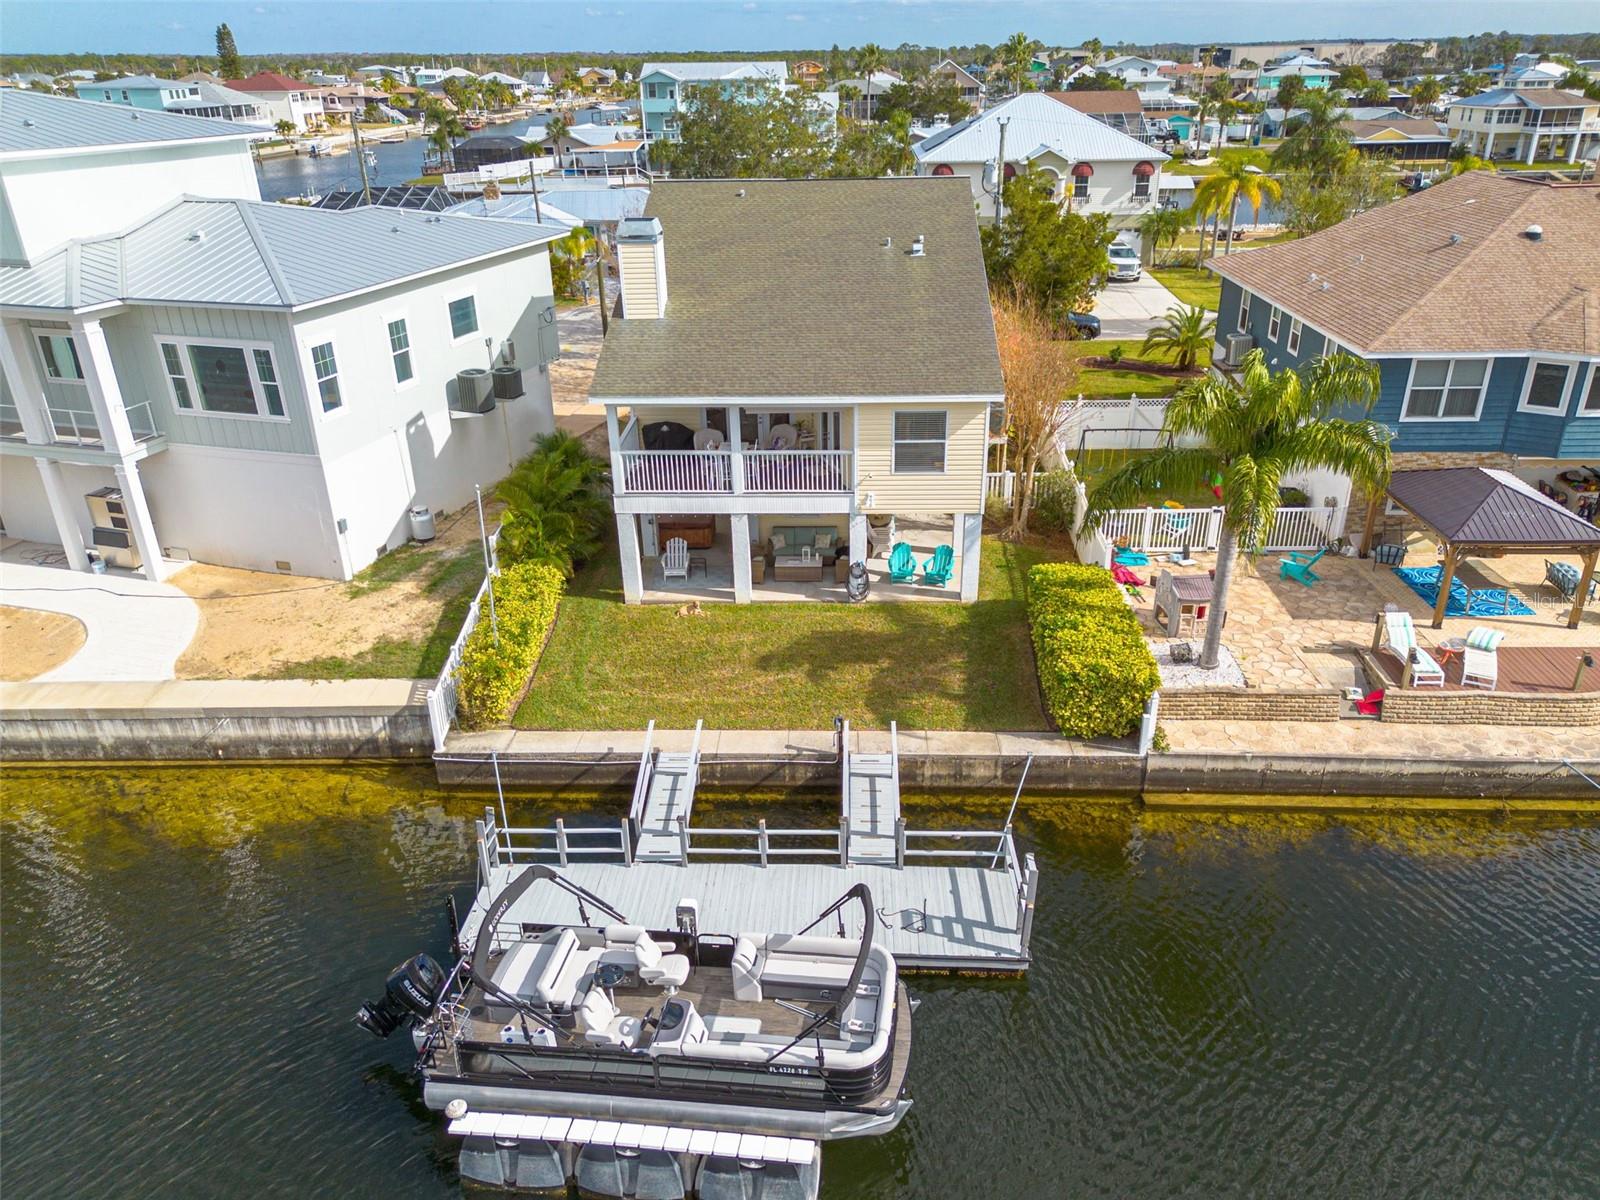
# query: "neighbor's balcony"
[70,427]
[725,472]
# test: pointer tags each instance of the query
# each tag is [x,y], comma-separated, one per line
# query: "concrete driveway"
[1128,310]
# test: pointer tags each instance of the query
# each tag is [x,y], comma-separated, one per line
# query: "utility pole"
[361,157]
[1000,175]
[600,281]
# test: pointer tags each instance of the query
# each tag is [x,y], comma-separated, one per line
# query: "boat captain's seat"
[603,1025]
[655,968]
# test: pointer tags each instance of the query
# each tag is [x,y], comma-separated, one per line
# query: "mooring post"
[561,840]
[761,839]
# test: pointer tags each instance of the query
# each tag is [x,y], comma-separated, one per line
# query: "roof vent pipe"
[1455,239]
[888,242]
[918,247]
[1533,233]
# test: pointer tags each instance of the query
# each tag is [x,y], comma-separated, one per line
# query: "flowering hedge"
[1095,668]
[493,675]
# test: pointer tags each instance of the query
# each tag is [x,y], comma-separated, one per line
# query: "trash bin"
[421,523]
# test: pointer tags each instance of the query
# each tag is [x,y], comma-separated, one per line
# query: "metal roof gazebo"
[1478,512]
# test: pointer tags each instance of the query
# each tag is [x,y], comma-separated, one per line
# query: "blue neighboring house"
[1479,301]
[664,88]
[139,91]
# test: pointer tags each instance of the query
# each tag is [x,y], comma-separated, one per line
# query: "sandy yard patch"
[571,374]
[33,642]
[257,624]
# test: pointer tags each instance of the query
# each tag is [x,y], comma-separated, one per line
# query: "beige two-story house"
[802,379]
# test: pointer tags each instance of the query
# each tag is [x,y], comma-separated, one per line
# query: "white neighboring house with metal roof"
[265,385]
[1095,168]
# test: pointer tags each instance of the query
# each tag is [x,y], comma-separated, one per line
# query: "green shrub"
[1095,669]
[996,511]
[1114,354]
[1053,502]
[493,675]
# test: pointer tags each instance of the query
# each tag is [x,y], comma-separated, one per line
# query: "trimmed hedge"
[492,677]
[1095,668]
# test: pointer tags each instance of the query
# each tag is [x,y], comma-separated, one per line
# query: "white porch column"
[1488,144]
[739,525]
[628,550]
[1572,147]
[970,540]
[55,492]
[736,465]
[1533,147]
[614,441]
[858,537]
[27,391]
[143,527]
[105,395]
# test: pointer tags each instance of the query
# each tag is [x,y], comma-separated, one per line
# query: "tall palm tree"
[1427,92]
[1161,225]
[868,60]
[1184,333]
[1315,140]
[1255,432]
[1016,54]
[1237,179]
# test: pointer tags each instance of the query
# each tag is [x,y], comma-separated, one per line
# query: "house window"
[223,380]
[1080,187]
[1295,329]
[1591,396]
[650,91]
[463,317]
[1244,310]
[1274,323]
[1445,389]
[919,442]
[1141,186]
[1546,388]
[60,356]
[400,349]
[327,371]
[1507,116]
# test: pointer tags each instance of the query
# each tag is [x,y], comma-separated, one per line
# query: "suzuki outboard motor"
[409,994]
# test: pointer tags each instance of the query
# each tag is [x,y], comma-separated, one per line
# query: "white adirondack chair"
[1398,635]
[675,562]
[1480,661]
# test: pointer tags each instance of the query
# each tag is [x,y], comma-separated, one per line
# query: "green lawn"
[1092,464]
[1120,382]
[790,666]
[1250,153]
[1191,285]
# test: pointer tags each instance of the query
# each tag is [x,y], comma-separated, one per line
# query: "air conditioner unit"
[508,383]
[1239,344]
[474,391]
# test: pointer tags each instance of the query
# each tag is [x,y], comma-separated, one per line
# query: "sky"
[529,26]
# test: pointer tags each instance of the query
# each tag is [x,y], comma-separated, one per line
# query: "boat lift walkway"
[945,899]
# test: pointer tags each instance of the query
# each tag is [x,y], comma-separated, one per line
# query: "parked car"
[1082,326]
[1124,261]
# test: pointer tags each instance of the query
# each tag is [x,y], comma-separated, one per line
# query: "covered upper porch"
[732,450]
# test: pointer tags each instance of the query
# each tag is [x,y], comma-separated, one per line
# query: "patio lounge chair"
[1480,661]
[675,562]
[1298,566]
[936,570]
[902,564]
[1565,577]
[1398,636]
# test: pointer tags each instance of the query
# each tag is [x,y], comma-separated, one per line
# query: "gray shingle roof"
[787,290]
[1478,506]
[253,253]
[33,121]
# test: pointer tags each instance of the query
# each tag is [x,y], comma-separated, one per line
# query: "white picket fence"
[1000,483]
[1164,530]
[441,697]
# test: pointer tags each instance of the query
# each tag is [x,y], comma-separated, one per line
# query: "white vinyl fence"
[441,697]
[1000,483]
[1164,530]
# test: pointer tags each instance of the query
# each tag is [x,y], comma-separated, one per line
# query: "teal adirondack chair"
[1298,567]
[936,570]
[902,564]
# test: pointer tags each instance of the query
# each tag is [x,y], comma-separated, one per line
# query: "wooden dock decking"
[1524,670]
[871,802]
[664,800]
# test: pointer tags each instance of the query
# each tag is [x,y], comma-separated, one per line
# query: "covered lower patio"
[1476,512]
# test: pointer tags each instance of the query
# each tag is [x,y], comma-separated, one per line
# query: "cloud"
[259,10]
[751,7]
[175,26]
[797,17]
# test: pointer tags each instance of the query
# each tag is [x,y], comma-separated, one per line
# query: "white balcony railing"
[797,471]
[697,472]
[70,427]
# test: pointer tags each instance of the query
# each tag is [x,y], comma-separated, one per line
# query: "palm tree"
[1315,140]
[554,512]
[556,129]
[1238,178]
[868,60]
[1255,432]
[1184,333]
[1017,56]
[1427,92]
[1161,225]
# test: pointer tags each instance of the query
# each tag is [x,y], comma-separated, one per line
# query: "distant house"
[1474,298]
[1142,74]
[196,98]
[1313,72]
[1122,110]
[539,82]
[1399,137]
[1275,122]
[1094,168]
[807,72]
[1525,74]
[518,87]
[950,71]
[339,103]
[1514,124]
[1193,78]
[666,88]
[284,99]
[594,77]
[878,84]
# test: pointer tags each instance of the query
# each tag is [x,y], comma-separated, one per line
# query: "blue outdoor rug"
[1485,602]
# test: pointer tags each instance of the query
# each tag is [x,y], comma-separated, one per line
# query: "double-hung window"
[920,439]
[1589,405]
[327,372]
[60,355]
[463,317]
[1295,330]
[1545,390]
[1444,389]
[1274,323]
[1080,187]
[1244,310]
[228,380]
[400,350]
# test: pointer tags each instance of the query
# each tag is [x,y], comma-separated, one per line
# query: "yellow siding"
[637,262]
[959,489]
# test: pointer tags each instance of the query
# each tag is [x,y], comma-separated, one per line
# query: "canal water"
[1270,1006]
